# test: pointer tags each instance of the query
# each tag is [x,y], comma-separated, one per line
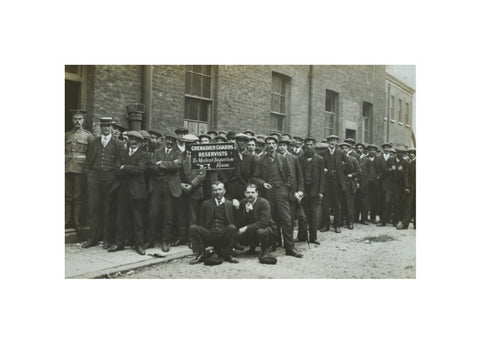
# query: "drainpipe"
[310,91]
[388,114]
[147,97]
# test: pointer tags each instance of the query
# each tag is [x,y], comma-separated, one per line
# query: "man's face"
[251,194]
[204,140]
[115,132]
[332,143]
[282,148]
[133,142]
[371,152]
[169,142]
[360,149]
[259,148]
[309,146]
[106,129]
[77,123]
[251,146]
[241,144]
[271,146]
[345,149]
[218,191]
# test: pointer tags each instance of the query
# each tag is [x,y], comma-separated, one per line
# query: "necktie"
[104,141]
[130,153]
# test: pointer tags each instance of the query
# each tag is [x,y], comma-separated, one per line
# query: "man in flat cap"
[180,144]
[76,146]
[410,193]
[275,179]
[384,178]
[102,158]
[297,145]
[335,160]
[352,173]
[399,168]
[163,189]
[236,180]
[313,169]
[252,145]
[189,203]
[131,194]
[371,172]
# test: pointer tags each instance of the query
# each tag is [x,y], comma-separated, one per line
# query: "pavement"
[95,262]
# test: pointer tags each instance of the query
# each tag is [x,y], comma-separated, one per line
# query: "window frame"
[285,84]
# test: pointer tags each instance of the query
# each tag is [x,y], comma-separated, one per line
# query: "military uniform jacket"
[76,147]
[258,218]
[168,169]
[132,173]
[318,174]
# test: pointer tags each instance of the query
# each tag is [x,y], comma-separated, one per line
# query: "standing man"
[298,142]
[132,193]
[385,166]
[216,227]
[236,180]
[335,160]
[255,221]
[102,157]
[410,193]
[251,145]
[313,169]
[276,180]
[76,146]
[163,189]
[352,173]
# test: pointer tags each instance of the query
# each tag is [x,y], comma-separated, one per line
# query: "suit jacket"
[169,168]
[208,210]
[132,173]
[410,176]
[257,218]
[369,174]
[245,169]
[285,171]
[339,158]
[194,177]
[356,172]
[95,148]
[297,184]
[318,174]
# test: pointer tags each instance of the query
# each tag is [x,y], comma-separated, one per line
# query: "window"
[392,108]
[331,111]
[367,114]
[280,98]
[407,114]
[198,98]
[349,133]
[400,111]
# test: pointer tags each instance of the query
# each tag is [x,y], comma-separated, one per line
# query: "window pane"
[188,83]
[276,84]
[206,87]
[282,104]
[196,84]
[275,103]
[204,110]
[277,122]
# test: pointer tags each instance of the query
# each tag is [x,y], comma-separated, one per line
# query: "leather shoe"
[89,244]
[230,259]
[106,245]
[294,254]
[140,250]
[381,224]
[115,247]
[325,229]
[315,241]
[178,242]
[165,247]
[400,226]
[337,230]
[198,259]
[350,226]
[148,245]
[238,247]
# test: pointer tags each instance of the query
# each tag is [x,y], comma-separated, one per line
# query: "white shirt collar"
[106,138]
[219,202]
[132,151]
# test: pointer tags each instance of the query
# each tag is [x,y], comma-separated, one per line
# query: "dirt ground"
[367,252]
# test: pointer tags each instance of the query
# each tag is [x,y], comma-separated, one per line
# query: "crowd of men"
[141,188]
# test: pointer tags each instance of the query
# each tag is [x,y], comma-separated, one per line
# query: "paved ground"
[365,252]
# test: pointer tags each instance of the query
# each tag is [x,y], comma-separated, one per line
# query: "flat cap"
[344,144]
[297,138]
[212,132]
[332,137]
[242,136]
[189,138]
[77,113]
[135,134]
[145,134]
[220,138]
[350,141]
[181,130]
[205,135]
[249,132]
[372,146]
[119,125]
[358,144]
[309,138]
[155,132]
[171,135]
[386,144]
[275,138]
[321,146]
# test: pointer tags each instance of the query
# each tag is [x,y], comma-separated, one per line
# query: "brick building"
[317,100]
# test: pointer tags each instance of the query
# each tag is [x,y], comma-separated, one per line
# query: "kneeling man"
[216,226]
[255,221]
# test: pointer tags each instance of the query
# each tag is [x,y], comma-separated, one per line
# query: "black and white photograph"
[240,171]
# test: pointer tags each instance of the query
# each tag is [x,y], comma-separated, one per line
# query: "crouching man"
[256,224]
[216,227]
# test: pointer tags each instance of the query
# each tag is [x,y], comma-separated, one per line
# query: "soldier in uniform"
[76,146]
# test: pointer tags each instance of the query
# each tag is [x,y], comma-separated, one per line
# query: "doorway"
[72,100]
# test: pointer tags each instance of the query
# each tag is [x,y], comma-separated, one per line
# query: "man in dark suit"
[275,179]
[313,169]
[297,146]
[335,160]
[367,183]
[132,191]
[216,227]
[399,167]
[385,165]
[102,157]
[236,180]
[163,189]
[352,173]
[410,193]
[255,223]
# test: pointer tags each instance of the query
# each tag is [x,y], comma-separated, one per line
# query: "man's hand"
[320,195]
[407,190]
[267,185]
[236,203]
[400,168]
[122,166]
[394,167]
[349,176]
[242,229]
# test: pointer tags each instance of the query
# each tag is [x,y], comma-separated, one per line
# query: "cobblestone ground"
[365,252]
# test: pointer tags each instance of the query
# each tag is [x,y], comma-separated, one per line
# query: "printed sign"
[216,156]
